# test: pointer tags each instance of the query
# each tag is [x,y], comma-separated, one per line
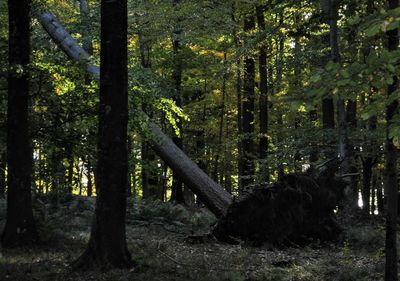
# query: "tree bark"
[221,124]
[3,182]
[391,185]
[367,165]
[150,176]
[209,192]
[333,14]
[248,112]
[328,108]
[107,246]
[20,226]
[263,102]
[177,194]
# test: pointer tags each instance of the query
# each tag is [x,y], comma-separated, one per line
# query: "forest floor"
[159,239]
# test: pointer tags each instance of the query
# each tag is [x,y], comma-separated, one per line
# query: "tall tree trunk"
[239,126]
[2,174]
[391,168]
[328,108]
[379,193]
[248,112]
[130,170]
[20,227]
[369,145]
[280,42]
[367,165]
[263,102]
[221,122]
[150,176]
[70,169]
[107,246]
[209,192]
[332,11]
[89,176]
[177,194]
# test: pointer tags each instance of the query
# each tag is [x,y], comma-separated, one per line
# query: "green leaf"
[372,30]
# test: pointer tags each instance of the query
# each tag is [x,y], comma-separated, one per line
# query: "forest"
[236,140]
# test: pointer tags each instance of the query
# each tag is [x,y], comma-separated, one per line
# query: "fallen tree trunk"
[298,209]
[213,196]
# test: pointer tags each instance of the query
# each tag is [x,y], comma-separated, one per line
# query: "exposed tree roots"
[298,209]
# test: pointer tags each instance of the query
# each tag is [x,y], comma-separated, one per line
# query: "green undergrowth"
[160,236]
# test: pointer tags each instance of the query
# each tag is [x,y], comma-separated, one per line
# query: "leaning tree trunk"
[20,227]
[209,192]
[391,185]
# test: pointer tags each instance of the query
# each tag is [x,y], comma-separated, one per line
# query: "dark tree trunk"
[2,175]
[280,41]
[391,168]
[150,179]
[150,176]
[332,13]
[20,227]
[314,154]
[351,113]
[248,112]
[240,127]
[107,246]
[177,194]
[379,194]
[367,165]
[89,176]
[130,170]
[239,105]
[221,125]
[328,114]
[263,103]
[70,179]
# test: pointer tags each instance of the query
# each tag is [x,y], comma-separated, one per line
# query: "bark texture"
[107,246]
[391,185]
[20,227]
[248,112]
[263,102]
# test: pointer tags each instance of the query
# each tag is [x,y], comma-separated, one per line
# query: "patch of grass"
[165,212]
[365,238]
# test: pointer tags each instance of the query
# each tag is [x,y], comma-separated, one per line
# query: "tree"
[263,103]
[107,246]
[248,111]
[391,185]
[20,227]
